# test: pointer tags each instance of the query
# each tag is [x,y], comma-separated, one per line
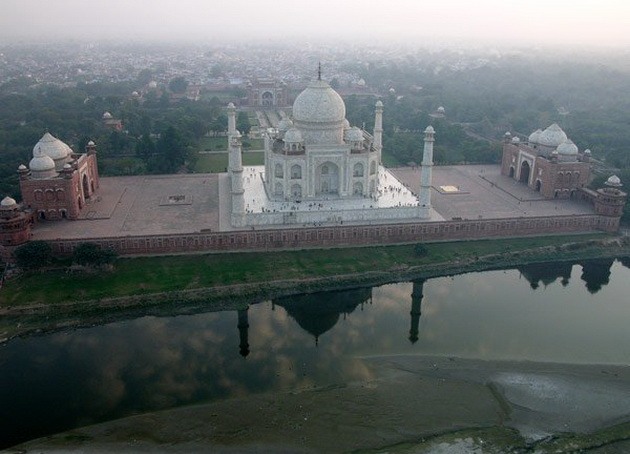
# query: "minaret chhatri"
[427,168]
[378,129]
[236,172]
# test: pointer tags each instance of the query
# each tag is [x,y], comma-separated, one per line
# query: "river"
[559,312]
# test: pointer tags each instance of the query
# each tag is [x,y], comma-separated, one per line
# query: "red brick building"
[549,162]
[58,182]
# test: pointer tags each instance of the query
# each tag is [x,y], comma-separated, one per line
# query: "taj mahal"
[319,169]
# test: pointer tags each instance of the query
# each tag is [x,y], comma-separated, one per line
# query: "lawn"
[168,273]
[218,162]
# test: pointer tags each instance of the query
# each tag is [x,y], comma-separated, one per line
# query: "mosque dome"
[293,135]
[52,147]
[8,202]
[567,148]
[552,136]
[319,103]
[42,163]
[534,137]
[354,134]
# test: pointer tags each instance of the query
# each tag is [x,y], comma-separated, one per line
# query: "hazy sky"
[595,22]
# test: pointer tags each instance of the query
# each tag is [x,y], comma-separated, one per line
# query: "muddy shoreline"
[408,404]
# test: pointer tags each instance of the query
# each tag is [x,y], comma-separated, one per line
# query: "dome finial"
[319,71]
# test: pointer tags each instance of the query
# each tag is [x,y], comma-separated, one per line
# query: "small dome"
[231,106]
[22,167]
[354,134]
[441,109]
[567,148]
[135,94]
[534,137]
[67,166]
[507,134]
[91,143]
[379,103]
[552,136]
[107,116]
[516,140]
[429,130]
[293,135]
[8,202]
[284,125]
[319,103]
[41,163]
[613,181]
[361,83]
[587,151]
[52,147]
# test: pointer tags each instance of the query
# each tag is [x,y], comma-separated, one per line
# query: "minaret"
[243,327]
[236,177]
[231,110]
[427,168]
[378,129]
[416,301]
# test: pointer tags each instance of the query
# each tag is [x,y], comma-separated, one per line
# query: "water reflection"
[58,381]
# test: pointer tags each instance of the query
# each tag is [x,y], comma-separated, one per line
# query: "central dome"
[319,103]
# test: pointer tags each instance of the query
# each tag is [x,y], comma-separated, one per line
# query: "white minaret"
[378,129]
[231,110]
[236,177]
[427,168]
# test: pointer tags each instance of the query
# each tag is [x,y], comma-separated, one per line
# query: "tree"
[178,85]
[33,255]
[242,123]
[91,254]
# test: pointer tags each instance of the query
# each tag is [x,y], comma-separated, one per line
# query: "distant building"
[267,93]
[112,123]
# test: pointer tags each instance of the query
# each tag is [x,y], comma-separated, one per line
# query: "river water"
[559,312]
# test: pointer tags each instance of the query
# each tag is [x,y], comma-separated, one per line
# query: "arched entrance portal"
[327,179]
[86,187]
[525,169]
[267,99]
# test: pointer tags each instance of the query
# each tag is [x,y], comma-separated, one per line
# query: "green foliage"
[242,123]
[420,250]
[91,254]
[33,255]
[178,85]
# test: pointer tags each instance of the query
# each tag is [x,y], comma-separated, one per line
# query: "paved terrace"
[147,205]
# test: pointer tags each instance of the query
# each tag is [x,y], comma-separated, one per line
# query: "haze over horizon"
[587,23]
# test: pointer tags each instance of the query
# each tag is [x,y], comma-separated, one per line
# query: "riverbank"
[407,404]
[174,285]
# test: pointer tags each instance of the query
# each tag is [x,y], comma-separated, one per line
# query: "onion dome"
[22,167]
[567,148]
[516,140]
[534,137]
[353,134]
[42,163]
[429,130]
[284,125]
[441,109]
[319,103]
[552,136]
[587,151]
[613,181]
[8,202]
[91,143]
[52,147]
[107,116]
[293,135]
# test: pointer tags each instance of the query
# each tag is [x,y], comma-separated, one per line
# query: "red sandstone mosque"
[540,187]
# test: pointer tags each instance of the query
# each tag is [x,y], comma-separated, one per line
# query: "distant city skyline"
[591,23]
